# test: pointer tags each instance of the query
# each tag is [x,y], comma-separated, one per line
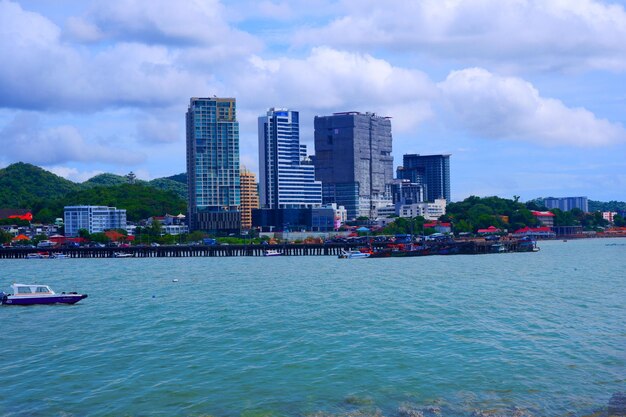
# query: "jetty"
[288,249]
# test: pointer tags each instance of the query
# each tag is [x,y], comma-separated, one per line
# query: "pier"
[289,249]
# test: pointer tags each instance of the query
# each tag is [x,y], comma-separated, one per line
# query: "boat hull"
[55,299]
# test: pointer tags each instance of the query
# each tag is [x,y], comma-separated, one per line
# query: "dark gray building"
[315,219]
[430,171]
[353,161]
[213,165]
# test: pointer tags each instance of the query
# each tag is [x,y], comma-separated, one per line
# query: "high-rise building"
[286,174]
[249,197]
[430,171]
[353,161]
[567,203]
[213,165]
[94,219]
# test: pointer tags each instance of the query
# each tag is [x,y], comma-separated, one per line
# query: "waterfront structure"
[249,197]
[353,161]
[94,219]
[286,174]
[430,171]
[213,172]
[567,203]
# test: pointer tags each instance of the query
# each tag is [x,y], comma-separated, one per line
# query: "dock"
[288,249]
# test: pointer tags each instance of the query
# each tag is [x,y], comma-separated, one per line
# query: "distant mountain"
[182,178]
[140,200]
[607,206]
[23,185]
[175,183]
[105,180]
[166,184]
[45,194]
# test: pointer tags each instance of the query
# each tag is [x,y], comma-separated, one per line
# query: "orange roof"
[21,237]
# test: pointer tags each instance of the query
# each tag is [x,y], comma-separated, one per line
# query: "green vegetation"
[140,201]
[45,194]
[24,184]
[475,213]
[606,206]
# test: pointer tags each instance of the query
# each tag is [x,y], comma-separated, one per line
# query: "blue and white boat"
[27,294]
[354,254]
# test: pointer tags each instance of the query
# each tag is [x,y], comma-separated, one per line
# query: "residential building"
[286,174]
[567,203]
[94,219]
[353,161]
[249,197]
[428,210]
[546,218]
[430,171]
[213,173]
[407,192]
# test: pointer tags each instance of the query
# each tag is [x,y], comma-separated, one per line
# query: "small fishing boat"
[272,252]
[122,255]
[28,294]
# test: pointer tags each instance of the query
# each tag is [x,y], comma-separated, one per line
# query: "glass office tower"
[213,173]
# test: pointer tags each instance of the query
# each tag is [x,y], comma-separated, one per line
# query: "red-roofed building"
[439,227]
[546,218]
[544,232]
[488,231]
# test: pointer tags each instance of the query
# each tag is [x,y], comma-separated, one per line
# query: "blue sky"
[527,96]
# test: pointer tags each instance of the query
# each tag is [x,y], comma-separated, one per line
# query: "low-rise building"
[546,218]
[94,219]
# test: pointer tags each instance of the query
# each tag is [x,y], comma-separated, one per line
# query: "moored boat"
[28,294]
[353,254]
[122,255]
[272,252]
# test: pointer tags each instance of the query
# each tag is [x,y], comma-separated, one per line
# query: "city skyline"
[100,86]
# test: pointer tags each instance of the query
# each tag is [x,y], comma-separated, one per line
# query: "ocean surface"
[521,334]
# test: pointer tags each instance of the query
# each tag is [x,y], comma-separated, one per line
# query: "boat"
[353,254]
[38,255]
[59,256]
[28,294]
[272,252]
[122,255]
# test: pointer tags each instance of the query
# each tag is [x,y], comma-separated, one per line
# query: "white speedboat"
[354,254]
[28,294]
[272,252]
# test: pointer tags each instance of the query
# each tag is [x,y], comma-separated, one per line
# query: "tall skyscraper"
[249,197]
[213,165]
[353,161]
[286,175]
[430,171]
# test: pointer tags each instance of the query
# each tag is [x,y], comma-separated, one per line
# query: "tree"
[5,237]
[619,221]
[84,233]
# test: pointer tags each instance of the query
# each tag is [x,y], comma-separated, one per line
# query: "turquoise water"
[541,333]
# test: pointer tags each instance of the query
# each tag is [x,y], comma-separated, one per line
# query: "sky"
[528,96]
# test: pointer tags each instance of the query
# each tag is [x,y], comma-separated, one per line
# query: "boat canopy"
[28,289]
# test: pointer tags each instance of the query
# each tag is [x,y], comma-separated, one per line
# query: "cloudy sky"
[528,96]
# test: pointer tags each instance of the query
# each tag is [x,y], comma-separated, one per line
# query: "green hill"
[105,180]
[182,178]
[166,184]
[22,185]
[140,201]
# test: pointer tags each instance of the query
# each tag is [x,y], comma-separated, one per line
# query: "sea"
[513,334]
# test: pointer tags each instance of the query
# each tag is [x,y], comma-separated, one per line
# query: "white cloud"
[329,80]
[72,174]
[542,34]
[153,130]
[499,107]
[47,72]
[24,139]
